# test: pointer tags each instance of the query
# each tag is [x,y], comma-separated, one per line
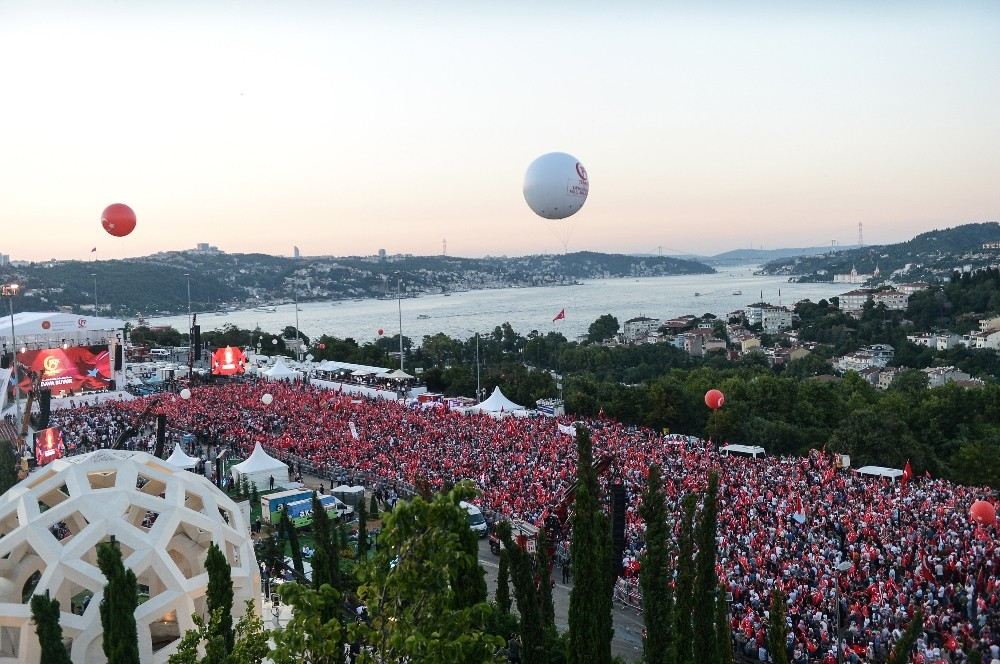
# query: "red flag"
[927,474]
[907,472]
[559,316]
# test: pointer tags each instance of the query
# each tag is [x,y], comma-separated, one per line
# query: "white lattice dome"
[162,517]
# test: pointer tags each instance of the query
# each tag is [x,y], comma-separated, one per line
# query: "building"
[989,323]
[892,299]
[768,316]
[876,355]
[4,260]
[690,343]
[854,301]
[988,339]
[885,377]
[710,344]
[948,340]
[927,340]
[854,277]
[938,376]
[296,253]
[913,287]
[637,329]
[206,248]
[381,255]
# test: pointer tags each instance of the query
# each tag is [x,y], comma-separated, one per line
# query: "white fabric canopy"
[259,468]
[497,403]
[280,371]
[180,459]
[396,374]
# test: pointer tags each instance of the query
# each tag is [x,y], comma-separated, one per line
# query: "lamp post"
[94,275]
[298,342]
[841,569]
[188,276]
[9,291]
[479,390]
[399,303]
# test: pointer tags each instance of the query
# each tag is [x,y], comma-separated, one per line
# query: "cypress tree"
[121,596]
[45,613]
[590,601]
[776,629]
[220,593]
[467,577]
[254,496]
[542,564]
[654,572]
[373,506]
[901,653]
[326,560]
[362,531]
[725,636]
[8,466]
[532,634]
[706,581]
[503,583]
[293,542]
[683,597]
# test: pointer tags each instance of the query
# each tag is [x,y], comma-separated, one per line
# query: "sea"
[462,314]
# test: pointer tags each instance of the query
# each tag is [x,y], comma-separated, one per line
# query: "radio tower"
[861,236]
[444,247]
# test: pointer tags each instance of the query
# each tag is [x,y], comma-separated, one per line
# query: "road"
[627,642]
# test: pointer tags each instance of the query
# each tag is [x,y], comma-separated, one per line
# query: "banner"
[48,446]
[568,430]
[77,369]
[228,361]
[354,430]
[7,385]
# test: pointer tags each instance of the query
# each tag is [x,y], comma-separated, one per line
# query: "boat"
[697,294]
[737,292]
[265,310]
[423,317]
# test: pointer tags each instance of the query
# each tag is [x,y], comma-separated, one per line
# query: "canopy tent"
[880,471]
[42,326]
[396,374]
[280,371]
[180,459]
[361,373]
[497,403]
[259,468]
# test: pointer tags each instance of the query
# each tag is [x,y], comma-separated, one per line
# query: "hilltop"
[157,284]
[929,256]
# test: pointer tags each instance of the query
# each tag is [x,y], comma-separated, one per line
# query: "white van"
[159,352]
[477,521]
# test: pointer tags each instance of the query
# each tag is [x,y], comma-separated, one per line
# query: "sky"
[345,127]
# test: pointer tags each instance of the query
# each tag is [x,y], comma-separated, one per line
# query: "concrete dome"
[163,518]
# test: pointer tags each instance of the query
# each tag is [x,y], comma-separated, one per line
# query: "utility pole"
[9,291]
[479,390]
[94,275]
[189,300]
[399,303]
[298,342]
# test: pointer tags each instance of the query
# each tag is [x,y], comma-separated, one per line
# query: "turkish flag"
[559,316]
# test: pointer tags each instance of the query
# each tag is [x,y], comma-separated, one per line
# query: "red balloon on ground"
[322,346]
[381,331]
[983,513]
[118,219]
[714,399]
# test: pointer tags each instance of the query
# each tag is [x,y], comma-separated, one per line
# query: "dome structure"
[163,518]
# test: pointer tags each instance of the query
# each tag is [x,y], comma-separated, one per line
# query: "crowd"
[786,522]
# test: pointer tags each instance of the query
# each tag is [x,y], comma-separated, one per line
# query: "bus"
[300,512]
[271,504]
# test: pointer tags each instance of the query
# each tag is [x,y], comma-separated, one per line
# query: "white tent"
[397,374]
[280,371]
[180,459]
[497,403]
[260,468]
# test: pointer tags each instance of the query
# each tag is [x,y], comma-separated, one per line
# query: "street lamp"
[188,276]
[9,291]
[841,568]
[399,303]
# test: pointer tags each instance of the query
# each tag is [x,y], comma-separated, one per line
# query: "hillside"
[929,256]
[157,284]
[744,256]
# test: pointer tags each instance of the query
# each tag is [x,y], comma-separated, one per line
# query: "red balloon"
[381,331]
[322,346]
[118,219]
[983,513]
[714,399]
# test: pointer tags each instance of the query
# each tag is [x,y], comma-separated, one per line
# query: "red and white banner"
[77,368]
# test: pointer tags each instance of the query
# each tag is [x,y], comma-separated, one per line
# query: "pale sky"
[345,127]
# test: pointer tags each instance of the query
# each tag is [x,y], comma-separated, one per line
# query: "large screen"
[48,446]
[77,368]
[228,361]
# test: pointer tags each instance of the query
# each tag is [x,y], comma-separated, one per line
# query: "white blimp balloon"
[556,185]
[267,399]
[185,394]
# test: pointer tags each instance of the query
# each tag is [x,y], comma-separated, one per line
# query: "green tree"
[654,572]
[590,604]
[706,582]
[684,594]
[604,327]
[416,613]
[543,565]
[250,643]
[45,613]
[293,543]
[362,531]
[326,559]
[314,635]
[373,509]
[526,595]
[503,582]
[725,637]
[777,630]
[8,466]
[121,597]
[901,652]
[220,593]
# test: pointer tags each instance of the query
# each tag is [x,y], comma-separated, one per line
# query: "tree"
[724,637]
[314,635]
[373,507]
[8,466]
[901,653]
[503,582]
[45,613]
[684,598]
[250,643]
[603,328]
[777,631]
[326,559]
[526,594]
[416,614]
[706,581]
[362,531]
[654,572]
[590,623]
[293,543]
[220,593]
[121,597]
[543,567]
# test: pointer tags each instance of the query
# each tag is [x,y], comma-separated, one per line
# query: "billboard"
[48,446]
[228,361]
[77,368]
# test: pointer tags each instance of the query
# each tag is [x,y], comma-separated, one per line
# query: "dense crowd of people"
[784,522]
